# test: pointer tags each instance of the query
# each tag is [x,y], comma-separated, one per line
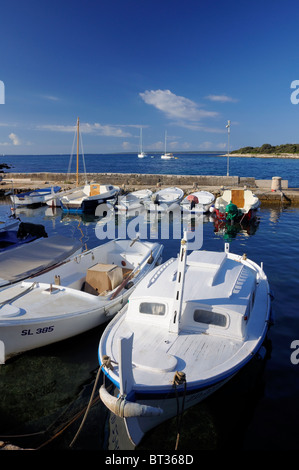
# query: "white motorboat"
[87,199]
[198,202]
[189,327]
[28,259]
[73,297]
[237,204]
[133,200]
[34,197]
[165,199]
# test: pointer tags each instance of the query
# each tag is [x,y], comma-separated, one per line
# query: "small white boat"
[165,199]
[133,200]
[198,202]
[141,154]
[237,204]
[87,199]
[76,296]
[37,196]
[27,260]
[167,155]
[189,327]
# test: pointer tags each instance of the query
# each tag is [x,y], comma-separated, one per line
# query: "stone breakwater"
[134,181]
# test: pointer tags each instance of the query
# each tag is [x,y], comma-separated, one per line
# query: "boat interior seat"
[74,281]
[238,197]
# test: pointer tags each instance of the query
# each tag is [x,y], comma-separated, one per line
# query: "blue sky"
[163,65]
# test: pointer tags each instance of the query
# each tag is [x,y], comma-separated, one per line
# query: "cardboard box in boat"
[103,277]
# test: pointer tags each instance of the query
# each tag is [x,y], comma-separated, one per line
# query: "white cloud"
[221,98]
[50,97]
[212,146]
[175,107]
[14,140]
[86,128]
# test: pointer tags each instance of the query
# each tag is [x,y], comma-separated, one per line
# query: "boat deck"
[157,356]
[33,302]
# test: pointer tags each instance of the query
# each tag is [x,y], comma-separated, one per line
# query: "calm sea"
[43,390]
[184,164]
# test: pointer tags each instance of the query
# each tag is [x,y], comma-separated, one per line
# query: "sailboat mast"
[77,175]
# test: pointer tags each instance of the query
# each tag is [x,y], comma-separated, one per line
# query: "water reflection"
[41,391]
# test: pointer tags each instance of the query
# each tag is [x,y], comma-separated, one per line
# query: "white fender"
[126,409]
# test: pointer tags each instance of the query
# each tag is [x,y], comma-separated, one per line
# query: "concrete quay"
[133,181]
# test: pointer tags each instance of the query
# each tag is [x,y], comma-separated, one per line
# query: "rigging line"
[71,156]
[83,159]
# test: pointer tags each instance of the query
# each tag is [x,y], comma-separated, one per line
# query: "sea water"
[183,164]
[43,390]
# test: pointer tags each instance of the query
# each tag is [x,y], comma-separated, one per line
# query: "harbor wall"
[135,179]
[20,182]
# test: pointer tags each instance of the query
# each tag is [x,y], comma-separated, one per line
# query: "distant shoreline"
[263,155]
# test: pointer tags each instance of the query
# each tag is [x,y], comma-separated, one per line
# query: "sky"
[181,67]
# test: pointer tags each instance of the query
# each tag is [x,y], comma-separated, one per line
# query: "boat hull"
[37,197]
[58,304]
[28,335]
[87,206]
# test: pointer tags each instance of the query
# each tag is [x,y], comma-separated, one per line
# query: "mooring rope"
[179,379]
[108,364]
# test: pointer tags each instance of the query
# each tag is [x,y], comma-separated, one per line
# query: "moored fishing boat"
[198,202]
[188,328]
[31,258]
[73,297]
[133,200]
[87,199]
[34,197]
[236,205]
[165,199]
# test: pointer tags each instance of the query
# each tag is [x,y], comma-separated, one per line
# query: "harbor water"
[44,392]
[183,164]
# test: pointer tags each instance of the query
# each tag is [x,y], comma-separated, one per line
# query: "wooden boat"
[133,200]
[73,297]
[198,202]
[165,199]
[34,197]
[189,327]
[237,204]
[29,259]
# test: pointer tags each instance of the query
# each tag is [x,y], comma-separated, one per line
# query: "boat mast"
[179,288]
[77,176]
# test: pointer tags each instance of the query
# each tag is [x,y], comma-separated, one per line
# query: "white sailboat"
[167,155]
[86,199]
[141,154]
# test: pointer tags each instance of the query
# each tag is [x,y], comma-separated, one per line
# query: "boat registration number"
[38,331]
